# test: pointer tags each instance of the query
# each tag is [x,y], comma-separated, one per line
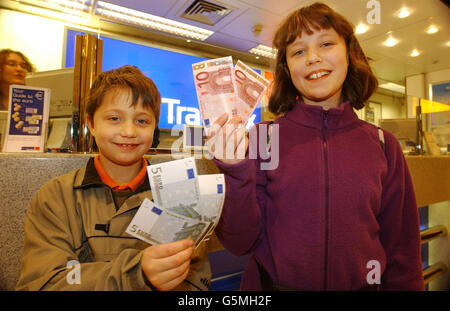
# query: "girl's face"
[318,65]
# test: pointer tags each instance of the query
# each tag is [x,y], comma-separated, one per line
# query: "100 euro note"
[156,225]
[250,88]
[174,184]
[215,89]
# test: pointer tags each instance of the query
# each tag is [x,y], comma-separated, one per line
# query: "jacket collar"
[314,116]
[89,177]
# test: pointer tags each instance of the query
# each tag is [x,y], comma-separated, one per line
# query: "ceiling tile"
[228,41]
[160,8]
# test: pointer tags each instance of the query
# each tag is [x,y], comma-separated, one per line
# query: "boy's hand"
[228,141]
[167,265]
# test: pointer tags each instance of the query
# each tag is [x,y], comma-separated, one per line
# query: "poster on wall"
[440,115]
[441,104]
[27,119]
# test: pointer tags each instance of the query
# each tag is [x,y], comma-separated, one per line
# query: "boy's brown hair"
[128,77]
[360,82]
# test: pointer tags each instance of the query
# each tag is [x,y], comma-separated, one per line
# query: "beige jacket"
[60,227]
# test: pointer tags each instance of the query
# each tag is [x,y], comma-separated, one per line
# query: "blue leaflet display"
[171,72]
[27,119]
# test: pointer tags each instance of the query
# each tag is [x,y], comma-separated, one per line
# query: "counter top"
[431,178]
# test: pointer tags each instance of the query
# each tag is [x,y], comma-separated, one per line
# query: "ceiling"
[235,31]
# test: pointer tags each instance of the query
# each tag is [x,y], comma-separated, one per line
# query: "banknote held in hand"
[186,205]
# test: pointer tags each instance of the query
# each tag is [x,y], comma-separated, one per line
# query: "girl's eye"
[114,118]
[327,44]
[299,52]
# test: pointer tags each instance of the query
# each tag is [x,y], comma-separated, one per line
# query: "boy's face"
[318,66]
[123,133]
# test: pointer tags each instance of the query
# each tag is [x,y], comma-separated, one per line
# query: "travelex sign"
[174,114]
[171,72]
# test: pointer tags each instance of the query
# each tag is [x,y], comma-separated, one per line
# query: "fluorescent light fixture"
[432,29]
[264,50]
[403,13]
[75,7]
[393,87]
[63,14]
[146,20]
[390,42]
[414,53]
[361,28]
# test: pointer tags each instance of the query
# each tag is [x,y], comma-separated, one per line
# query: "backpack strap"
[269,135]
[381,137]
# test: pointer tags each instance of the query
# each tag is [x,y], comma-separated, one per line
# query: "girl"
[339,211]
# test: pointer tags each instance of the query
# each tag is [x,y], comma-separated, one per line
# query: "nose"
[313,57]
[128,129]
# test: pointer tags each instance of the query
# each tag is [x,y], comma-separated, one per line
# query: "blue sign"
[27,112]
[171,72]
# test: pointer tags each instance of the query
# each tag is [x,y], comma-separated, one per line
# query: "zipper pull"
[325,117]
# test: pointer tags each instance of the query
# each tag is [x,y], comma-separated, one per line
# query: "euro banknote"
[156,225]
[174,183]
[250,87]
[215,89]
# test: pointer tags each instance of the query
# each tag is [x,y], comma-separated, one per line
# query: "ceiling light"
[403,13]
[390,41]
[361,28]
[263,50]
[432,29]
[146,20]
[393,87]
[414,53]
[447,43]
[67,6]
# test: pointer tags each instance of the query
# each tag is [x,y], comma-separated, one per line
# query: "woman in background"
[13,70]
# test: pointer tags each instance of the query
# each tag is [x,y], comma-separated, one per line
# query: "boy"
[75,227]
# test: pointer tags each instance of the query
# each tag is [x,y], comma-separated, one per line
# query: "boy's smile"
[317,64]
[123,133]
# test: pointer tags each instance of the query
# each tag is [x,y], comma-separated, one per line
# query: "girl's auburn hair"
[360,82]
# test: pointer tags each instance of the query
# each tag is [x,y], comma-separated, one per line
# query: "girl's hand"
[228,141]
[167,265]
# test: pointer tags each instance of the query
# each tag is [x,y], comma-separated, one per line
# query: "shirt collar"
[107,180]
[313,116]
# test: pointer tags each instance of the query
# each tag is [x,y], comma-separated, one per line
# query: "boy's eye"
[327,44]
[142,121]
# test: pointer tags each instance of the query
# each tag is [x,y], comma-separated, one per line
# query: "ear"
[90,125]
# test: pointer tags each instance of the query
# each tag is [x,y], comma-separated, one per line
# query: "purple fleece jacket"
[335,203]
